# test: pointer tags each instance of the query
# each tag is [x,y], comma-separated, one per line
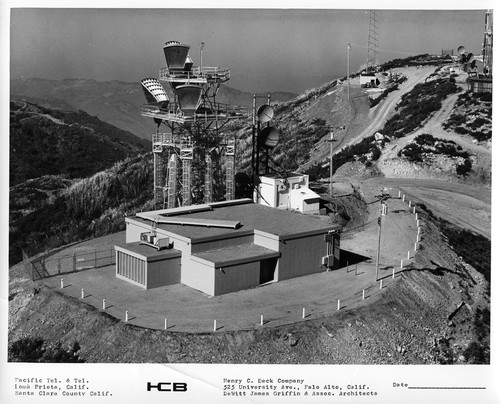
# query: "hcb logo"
[167,386]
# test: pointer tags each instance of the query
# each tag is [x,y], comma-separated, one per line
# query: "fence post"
[338,304]
[261,319]
[104,304]
[381,283]
[393,270]
[166,323]
[62,283]
[83,294]
[303,312]
[126,315]
[215,325]
[363,294]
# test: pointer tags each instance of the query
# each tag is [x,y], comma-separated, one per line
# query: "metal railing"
[205,111]
[195,75]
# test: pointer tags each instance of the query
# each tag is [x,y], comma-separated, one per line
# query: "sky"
[266,49]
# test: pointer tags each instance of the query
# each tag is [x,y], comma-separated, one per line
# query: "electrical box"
[328,261]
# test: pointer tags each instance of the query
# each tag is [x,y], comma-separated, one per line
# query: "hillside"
[51,142]
[115,102]
[420,134]
[53,154]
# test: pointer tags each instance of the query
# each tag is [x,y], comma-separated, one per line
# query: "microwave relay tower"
[194,122]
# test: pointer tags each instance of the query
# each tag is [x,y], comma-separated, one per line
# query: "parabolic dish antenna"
[265,113]
[268,138]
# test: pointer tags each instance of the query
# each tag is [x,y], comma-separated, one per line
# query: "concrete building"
[288,192]
[224,247]
[368,80]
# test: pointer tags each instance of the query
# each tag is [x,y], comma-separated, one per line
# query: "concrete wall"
[269,241]
[215,244]
[162,273]
[301,256]
[198,275]
[237,277]
[268,192]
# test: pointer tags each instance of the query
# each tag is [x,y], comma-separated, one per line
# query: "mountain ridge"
[116,102]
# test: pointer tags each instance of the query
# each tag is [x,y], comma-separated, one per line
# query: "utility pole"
[383,211]
[331,140]
[331,163]
[348,70]
[378,248]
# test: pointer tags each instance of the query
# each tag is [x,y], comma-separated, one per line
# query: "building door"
[267,270]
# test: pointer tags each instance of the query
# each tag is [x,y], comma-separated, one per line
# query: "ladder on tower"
[230,167]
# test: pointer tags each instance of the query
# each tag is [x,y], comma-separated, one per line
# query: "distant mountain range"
[115,102]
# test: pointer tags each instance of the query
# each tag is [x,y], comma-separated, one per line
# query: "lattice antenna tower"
[488,44]
[194,122]
[372,55]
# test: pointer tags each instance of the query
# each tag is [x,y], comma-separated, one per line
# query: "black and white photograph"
[251,203]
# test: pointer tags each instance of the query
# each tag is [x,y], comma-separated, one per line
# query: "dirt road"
[464,205]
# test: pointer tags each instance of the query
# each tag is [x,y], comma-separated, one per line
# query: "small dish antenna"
[268,138]
[265,113]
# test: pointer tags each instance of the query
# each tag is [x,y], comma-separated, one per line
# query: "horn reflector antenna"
[265,113]
[175,54]
[268,138]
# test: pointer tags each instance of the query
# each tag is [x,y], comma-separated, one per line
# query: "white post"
[404,197]
[394,271]
[418,223]
[414,209]
[401,268]
[363,294]
[338,304]
[381,283]
[215,325]
[418,230]
[399,194]
[416,246]
[418,238]
[83,294]
[416,216]
[409,204]
[126,315]
[261,319]
[166,323]
[104,304]
[62,283]
[408,255]
[303,312]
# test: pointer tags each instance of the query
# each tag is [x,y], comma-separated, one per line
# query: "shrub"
[34,349]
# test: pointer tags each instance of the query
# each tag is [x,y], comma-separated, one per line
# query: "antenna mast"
[372,54]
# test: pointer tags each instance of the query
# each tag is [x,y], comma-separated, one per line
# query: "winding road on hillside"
[383,111]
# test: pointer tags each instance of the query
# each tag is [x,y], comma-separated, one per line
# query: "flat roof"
[252,216]
[149,253]
[237,254]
